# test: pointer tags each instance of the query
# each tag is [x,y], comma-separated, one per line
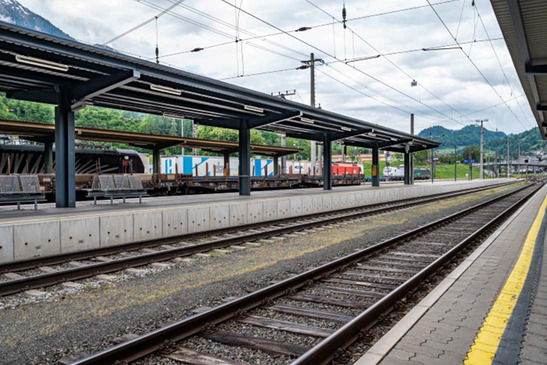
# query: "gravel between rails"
[85,322]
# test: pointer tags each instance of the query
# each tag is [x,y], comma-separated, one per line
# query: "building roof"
[33,65]
[524,27]
[41,132]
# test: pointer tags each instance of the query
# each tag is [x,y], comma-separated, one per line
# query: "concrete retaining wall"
[20,241]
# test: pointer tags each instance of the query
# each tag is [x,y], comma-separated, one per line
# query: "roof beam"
[393,143]
[221,123]
[516,18]
[352,133]
[309,136]
[273,118]
[536,69]
[101,85]
[48,96]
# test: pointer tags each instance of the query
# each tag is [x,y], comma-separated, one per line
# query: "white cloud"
[6,19]
[447,74]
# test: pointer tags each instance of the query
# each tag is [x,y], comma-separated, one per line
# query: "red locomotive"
[341,168]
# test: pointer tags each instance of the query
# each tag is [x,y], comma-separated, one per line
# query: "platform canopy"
[38,67]
[524,27]
[41,132]
[34,64]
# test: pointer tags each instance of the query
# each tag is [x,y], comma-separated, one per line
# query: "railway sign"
[469,161]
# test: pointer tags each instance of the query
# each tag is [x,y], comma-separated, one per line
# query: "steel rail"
[323,352]
[152,341]
[21,265]
[77,273]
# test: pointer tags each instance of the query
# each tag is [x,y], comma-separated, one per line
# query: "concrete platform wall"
[50,236]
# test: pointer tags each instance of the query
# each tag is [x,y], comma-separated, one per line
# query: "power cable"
[295,30]
[260,73]
[206,27]
[228,36]
[492,106]
[388,59]
[362,93]
[500,64]
[330,55]
[460,21]
[473,63]
[143,23]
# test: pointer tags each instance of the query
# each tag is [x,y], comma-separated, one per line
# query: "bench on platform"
[20,189]
[115,187]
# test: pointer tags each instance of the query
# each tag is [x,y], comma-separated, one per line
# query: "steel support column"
[156,161]
[65,176]
[407,168]
[375,167]
[284,158]
[327,164]
[244,159]
[412,155]
[48,157]
[276,165]
[227,163]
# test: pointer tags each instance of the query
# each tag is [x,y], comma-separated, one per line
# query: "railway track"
[51,270]
[310,317]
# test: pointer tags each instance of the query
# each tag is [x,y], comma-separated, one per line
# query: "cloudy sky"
[450,90]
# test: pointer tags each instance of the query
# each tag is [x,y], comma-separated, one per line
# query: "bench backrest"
[103,183]
[116,183]
[9,184]
[29,184]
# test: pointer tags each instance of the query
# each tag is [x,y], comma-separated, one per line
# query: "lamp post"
[481,121]
[455,163]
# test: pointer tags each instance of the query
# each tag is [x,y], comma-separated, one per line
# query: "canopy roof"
[33,64]
[524,27]
[41,132]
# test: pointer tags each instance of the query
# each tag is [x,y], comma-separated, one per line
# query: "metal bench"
[115,187]
[21,189]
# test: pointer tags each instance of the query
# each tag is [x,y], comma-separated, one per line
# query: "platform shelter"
[72,75]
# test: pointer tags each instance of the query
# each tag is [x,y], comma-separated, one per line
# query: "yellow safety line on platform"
[487,341]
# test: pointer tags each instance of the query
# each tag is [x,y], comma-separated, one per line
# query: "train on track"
[29,159]
[179,175]
[397,173]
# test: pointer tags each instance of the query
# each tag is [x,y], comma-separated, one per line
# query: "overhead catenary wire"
[228,36]
[506,79]
[387,59]
[460,21]
[283,32]
[212,29]
[264,36]
[260,73]
[143,23]
[474,64]
[353,67]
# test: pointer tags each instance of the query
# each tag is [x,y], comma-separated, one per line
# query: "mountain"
[13,12]
[467,136]
[470,135]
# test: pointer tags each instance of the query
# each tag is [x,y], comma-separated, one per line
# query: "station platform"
[28,233]
[492,309]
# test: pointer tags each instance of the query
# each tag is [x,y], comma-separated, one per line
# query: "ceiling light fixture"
[253,108]
[174,116]
[165,89]
[307,120]
[41,63]
[346,129]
